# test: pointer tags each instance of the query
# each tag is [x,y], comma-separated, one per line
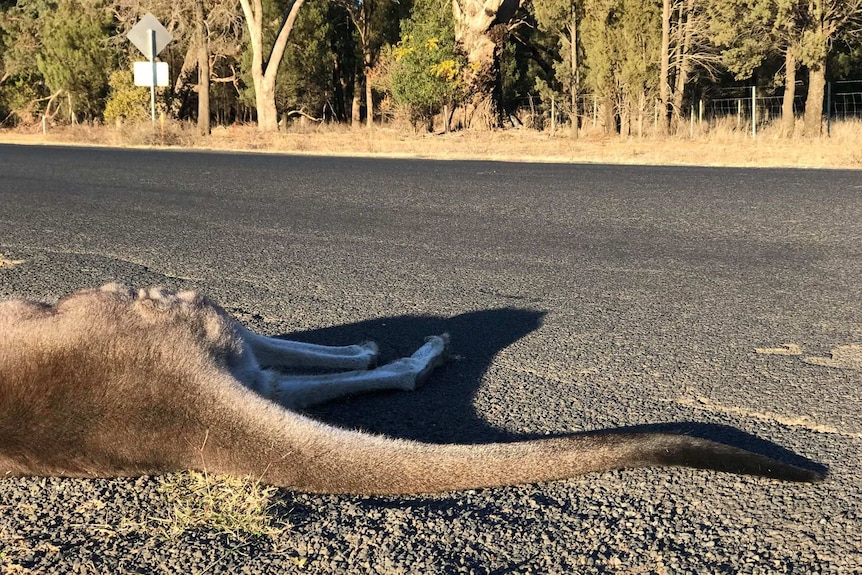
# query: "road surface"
[725,302]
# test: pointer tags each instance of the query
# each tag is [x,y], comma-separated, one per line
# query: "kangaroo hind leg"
[282,353]
[301,391]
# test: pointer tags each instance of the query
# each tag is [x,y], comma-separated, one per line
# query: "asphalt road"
[577,296]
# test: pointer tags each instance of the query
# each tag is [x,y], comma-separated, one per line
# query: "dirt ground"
[719,147]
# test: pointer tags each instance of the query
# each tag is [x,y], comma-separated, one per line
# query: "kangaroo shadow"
[442,412]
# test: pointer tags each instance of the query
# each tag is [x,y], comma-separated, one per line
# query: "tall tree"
[375,23]
[601,59]
[562,18]
[203,87]
[305,82]
[825,21]
[22,88]
[480,29]
[638,70]
[664,66]
[74,57]
[751,31]
[691,49]
[264,70]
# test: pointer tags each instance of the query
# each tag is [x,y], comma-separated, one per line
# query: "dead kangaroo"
[114,382]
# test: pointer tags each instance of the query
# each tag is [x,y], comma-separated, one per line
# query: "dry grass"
[7,263]
[232,506]
[718,145]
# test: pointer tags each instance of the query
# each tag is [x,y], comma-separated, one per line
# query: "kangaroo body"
[115,382]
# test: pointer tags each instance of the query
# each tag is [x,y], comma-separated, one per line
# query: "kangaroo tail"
[331,460]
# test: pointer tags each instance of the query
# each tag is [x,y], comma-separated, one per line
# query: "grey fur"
[113,382]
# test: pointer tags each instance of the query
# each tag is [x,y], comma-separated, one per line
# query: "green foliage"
[846,63]
[125,100]
[750,31]
[600,55]
[52,47]
[423,71]
[307,66]
[814,47]
[19,97]
[19,44]
[558,18]
[622,40]
[20,36]
[75,57]
[64,52]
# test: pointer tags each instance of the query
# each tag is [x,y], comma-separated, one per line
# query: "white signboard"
[144,74]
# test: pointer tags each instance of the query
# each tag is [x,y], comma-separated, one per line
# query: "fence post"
[700,113]
[691,129]
[739,113]
[828,109]
[553,114]
[754,111]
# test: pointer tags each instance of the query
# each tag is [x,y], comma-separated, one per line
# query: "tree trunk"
[264,77]
[576,76]
[264,95]
[683,58]
[482,77]
[369,95]
[356,104]
[480,30]
[664,70]
[814,102]
[788,117]
[607,116]
[203,70]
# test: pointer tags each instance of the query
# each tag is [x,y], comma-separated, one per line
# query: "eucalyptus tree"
[264,65]
[480,30]
[686,47]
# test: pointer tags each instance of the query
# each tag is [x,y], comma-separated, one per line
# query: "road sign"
[150,37]
[140,34]
[144,74]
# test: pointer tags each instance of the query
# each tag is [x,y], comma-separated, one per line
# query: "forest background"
[630,68]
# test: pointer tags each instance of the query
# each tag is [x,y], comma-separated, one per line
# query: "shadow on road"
[442,411]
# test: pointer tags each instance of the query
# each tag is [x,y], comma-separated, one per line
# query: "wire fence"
[751,106]
[845,99]
[748,107]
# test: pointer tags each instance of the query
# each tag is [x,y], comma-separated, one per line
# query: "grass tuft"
[237,507]
[5,263]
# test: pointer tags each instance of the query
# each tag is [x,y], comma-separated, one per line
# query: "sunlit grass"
[237,507]
[720,143]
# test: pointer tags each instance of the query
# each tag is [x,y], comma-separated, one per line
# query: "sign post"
[150,37]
